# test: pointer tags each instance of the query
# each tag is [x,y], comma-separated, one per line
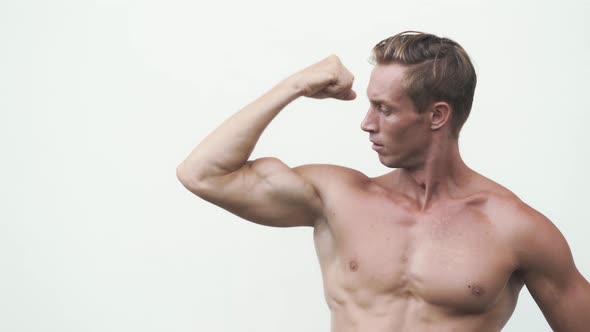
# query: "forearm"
[228,147]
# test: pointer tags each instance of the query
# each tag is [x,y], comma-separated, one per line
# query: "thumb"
[347,95]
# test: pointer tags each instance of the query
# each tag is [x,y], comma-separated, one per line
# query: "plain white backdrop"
[101,100]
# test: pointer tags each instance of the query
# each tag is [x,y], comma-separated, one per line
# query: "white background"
[101,100]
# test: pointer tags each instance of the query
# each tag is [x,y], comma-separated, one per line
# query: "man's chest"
[452,257]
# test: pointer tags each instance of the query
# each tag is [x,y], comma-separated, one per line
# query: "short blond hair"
[439,69]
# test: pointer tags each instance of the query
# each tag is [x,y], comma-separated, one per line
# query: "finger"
[338,87]
[351,95]
[346,95]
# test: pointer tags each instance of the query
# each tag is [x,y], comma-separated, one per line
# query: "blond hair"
[439,69]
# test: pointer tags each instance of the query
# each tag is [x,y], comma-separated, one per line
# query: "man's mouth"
[377,147]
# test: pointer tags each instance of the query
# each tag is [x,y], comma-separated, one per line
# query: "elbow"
[188,180]
[180,174]
[202,180]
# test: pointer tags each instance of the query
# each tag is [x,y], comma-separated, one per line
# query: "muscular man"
[429,246]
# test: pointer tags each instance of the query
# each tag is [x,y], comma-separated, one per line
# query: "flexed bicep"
[266,191]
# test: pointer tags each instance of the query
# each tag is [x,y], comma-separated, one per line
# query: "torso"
[387,267]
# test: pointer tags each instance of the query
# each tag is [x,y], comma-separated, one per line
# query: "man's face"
[401,134]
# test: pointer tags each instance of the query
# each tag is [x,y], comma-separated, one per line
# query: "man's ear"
[439,115]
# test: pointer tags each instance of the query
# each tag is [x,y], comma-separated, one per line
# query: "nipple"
[476,290]
[353,265]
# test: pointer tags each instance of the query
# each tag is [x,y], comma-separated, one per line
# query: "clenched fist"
[325,79]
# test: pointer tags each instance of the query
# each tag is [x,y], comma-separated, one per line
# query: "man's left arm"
[551,276]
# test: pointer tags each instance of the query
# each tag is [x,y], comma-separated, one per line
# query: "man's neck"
[442,175]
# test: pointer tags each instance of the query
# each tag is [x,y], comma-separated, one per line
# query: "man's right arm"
[265,190]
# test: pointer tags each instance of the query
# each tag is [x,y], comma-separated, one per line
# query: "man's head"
[438,69]
[428,83]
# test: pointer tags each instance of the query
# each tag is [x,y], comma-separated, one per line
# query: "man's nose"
[368,124]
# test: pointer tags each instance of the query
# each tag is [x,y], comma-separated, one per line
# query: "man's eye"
[382,108]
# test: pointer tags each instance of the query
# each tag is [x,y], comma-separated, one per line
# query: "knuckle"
[333,57]
[332,76]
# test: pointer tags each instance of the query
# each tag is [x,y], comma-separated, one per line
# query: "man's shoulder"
[508,207]
[526,229]
[513,209]
[321,173]
[535,237]
[330,179]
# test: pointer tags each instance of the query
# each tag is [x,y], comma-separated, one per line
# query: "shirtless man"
[430,246]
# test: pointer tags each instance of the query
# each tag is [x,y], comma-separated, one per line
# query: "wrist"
[292,87]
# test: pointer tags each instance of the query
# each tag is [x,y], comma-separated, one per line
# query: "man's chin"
[388,162]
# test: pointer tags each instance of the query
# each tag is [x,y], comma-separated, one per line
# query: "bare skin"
[430,246]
